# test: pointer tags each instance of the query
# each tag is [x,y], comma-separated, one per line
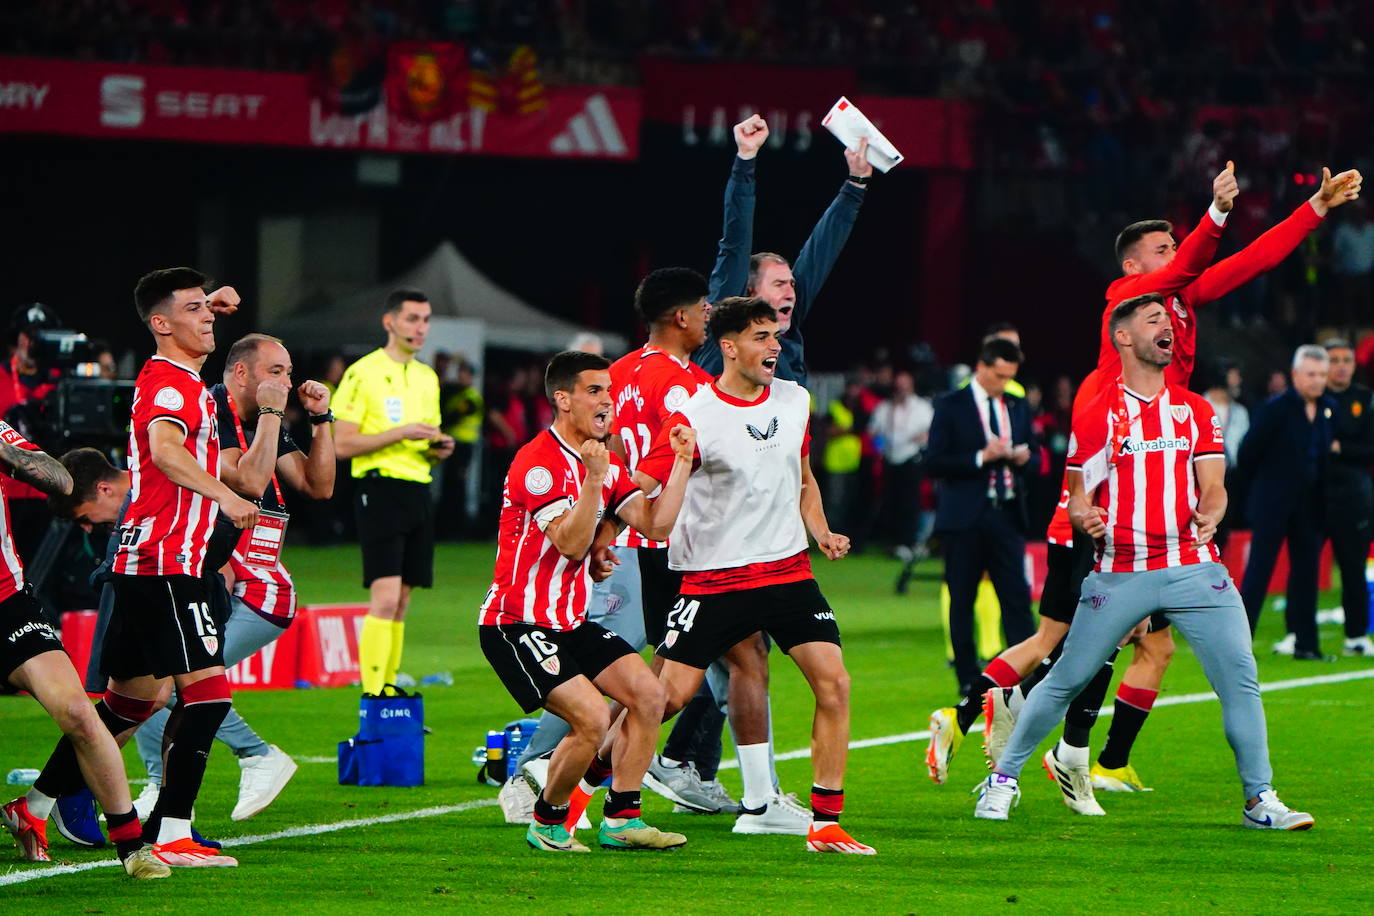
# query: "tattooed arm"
[38,469]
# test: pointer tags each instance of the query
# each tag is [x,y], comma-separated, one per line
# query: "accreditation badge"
[261,547]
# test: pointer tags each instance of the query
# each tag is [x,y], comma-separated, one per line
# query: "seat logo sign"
[121,101]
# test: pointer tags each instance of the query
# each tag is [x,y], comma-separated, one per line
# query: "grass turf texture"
[1177,849]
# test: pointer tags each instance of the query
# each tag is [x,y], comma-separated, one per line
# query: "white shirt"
[984,402]
[903,427]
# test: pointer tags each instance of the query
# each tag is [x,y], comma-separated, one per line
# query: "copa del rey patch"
[550,664]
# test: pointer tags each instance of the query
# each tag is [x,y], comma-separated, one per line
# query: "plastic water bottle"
[518,736]
[493,770]
[23,776]
[442,679]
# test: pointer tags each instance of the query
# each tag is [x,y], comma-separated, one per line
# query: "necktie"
[995,425]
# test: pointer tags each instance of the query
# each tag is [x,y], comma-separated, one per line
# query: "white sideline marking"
[18,877]
[1179,700]
[21,876]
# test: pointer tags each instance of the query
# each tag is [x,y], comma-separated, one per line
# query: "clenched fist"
[750,135]
[596,459]
[684,440]
[833,545]
[859,166]
[223,301]
[272,392]
[314,397]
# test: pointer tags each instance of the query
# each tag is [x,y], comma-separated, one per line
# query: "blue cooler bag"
[389,749]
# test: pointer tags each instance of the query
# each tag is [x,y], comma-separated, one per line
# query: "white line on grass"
[19,877]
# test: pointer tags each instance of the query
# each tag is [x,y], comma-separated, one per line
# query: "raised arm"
[572,532]
[654,518]
[248,472]
[1268,251]
[313,475]
[822,249]
[167,442]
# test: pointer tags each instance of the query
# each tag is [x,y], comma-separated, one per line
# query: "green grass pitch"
[1178,849]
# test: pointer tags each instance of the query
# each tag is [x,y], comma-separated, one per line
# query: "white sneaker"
[780,815]
[517,800]
[1269,813]
[1001,721]
[1075,784]
[143,805]
[536,770]
[1359,647]
[997,795]
[1286,645]
[261,780]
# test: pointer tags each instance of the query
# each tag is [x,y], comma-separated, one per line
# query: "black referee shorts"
[396,529]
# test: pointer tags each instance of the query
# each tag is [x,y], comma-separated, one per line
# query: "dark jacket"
[956,438]
[1352,423]
[1284,458]
[811,268]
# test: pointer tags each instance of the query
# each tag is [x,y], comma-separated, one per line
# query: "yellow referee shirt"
[378,394]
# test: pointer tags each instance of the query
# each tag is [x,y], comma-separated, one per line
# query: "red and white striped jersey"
[270,592]
[11,569]
[534,583]
[167,527]
[648,385]
[1137,458]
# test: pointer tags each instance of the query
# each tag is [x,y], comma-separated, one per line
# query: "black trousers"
[1301,528]
[993,544]
[1350,529]
[902,497]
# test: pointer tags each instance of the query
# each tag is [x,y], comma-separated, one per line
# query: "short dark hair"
[1000,327]
[1133,233]
[155,288]
[245,349]
[737,314]
[995,348]
[1128,307]
[756,262]
[565,367]
[667,290]
[88,467]
[398,297]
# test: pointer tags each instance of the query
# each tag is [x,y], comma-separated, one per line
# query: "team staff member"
[1349,491]
[387,410]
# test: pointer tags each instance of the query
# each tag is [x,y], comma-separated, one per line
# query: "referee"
[387,411]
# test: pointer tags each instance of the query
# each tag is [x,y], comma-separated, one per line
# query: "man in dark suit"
[981,449]
[1284,459]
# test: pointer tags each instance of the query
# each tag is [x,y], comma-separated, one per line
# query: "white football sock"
[40,805]
[753,768]
[1069,755]
[173,829]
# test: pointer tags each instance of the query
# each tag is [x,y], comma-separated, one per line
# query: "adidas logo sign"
[591,132]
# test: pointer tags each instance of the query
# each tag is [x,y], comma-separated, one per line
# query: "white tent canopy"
[456,289]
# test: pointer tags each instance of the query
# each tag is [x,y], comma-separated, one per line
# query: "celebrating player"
[741,546]
[32,659]
[533,627]
[1146,467]
[161,626]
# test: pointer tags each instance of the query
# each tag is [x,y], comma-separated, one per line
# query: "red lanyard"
[243,444]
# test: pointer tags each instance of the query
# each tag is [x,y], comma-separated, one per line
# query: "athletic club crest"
[670,638]
[1098,601]
[1180,412]
[211,643]
[550,664]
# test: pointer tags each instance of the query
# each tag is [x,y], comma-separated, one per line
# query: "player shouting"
[1146,470]
[533,627]
[741,545]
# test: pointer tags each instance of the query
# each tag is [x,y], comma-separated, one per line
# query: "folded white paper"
[849,126]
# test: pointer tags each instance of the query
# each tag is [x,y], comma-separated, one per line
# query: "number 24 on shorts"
[683,614]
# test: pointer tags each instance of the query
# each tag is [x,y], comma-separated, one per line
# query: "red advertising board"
[273,667]
[328,633]
[201,105]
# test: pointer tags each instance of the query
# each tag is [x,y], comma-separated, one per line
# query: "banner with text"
[199,105]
